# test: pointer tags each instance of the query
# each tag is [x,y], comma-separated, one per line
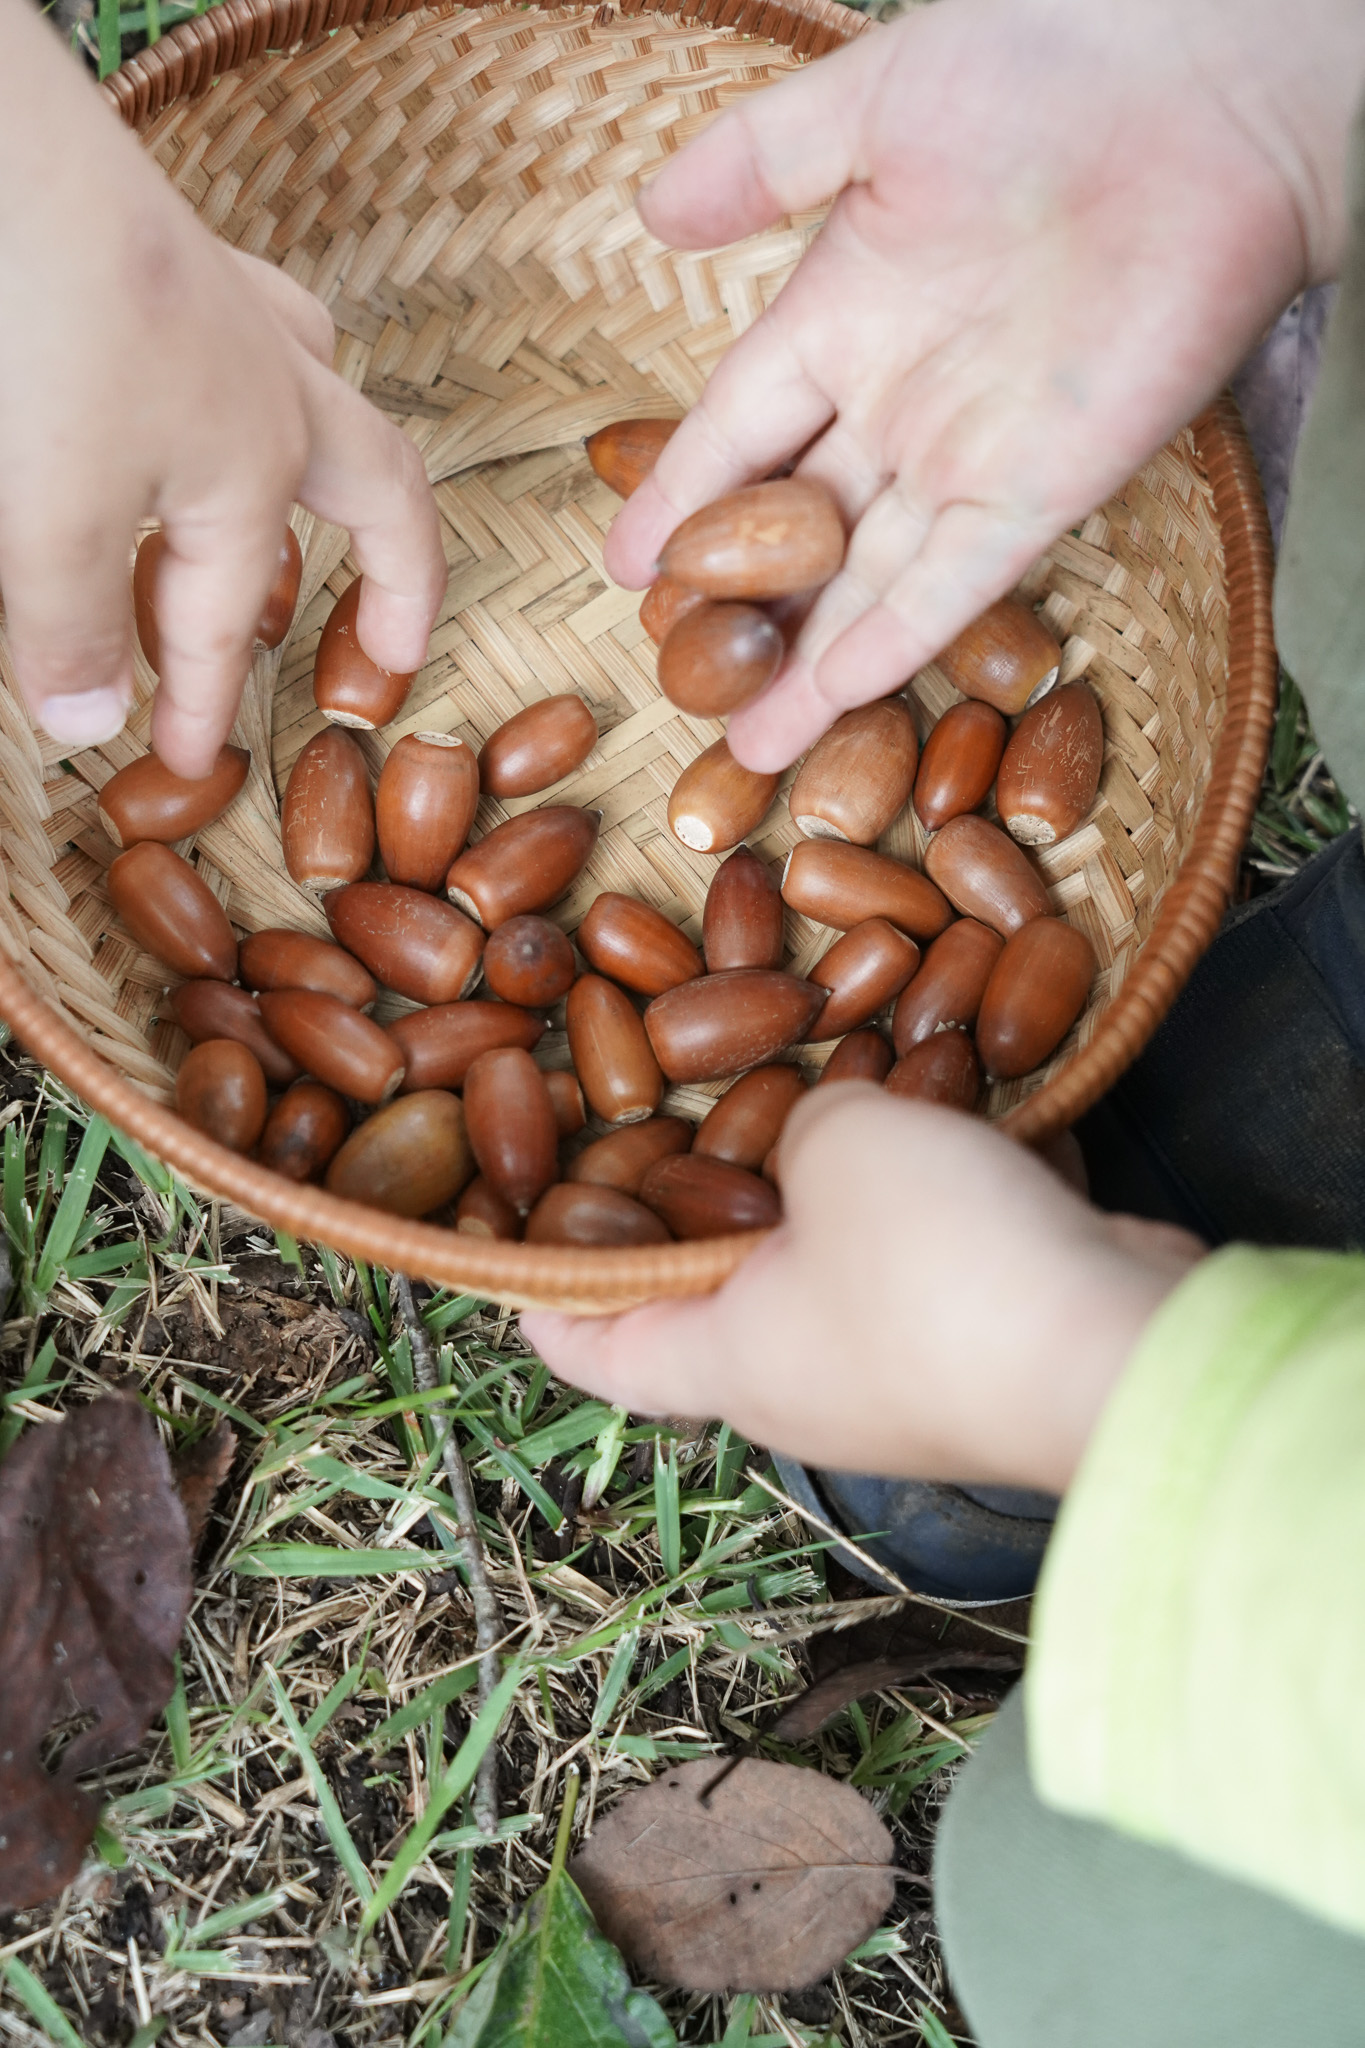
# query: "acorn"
[723,1023]
[528,960]
[215,1009]
[409,1158]
[348,687]
[708,1198]
[1050,774]
[742,923]
[571,1112]
[540,745]
[624,453]
[145,801]
[663,604]
[858,778]
[274,620]
[1037,990]
[623,1158]
[843,885]
[985,875]
[510,1120]
[482,1213]
[424,806]
[146,562]
[767,540]
[439,1044]
[1007,657]
[416,944]
[526,863]
[862,1056]
[170,910]
[636,945]
[278,614]
[220,1089]
[334,1042]
[588,1214]
[747,1121]
[304,1131]
[943,1069]
[716,803]
[949,985]
[959,762]
[278,958]
[717,657]
[863,971]
[611,1052]
[327,817]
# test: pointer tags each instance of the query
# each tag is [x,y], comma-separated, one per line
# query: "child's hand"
[147,370]
[1060,227]
[937,1304]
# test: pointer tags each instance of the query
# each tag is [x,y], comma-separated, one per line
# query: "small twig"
[487,1620]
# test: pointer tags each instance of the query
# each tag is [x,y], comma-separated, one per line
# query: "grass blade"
[667,1513]
[323,1561]
[80,1186]
[338,1834]
[435,1697]
[41,2004]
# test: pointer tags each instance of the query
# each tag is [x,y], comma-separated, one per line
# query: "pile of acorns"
[446,1105]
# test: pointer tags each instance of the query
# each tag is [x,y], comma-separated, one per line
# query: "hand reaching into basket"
[148,370]
[1058,230]
[937,1304]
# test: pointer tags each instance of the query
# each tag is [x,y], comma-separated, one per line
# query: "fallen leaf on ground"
[765,1888]
[917,1628]
[807,1714]
[200,1471]
[94,1589]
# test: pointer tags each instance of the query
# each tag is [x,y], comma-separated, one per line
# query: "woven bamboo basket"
[457,186]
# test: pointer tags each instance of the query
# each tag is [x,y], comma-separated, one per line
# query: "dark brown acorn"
[439,1044]
[636,945]
[742,924]
[274,620]
[588,1214]
[327,817]
[348,687]
[1050,774]
[511,1124]
[416,944]
[170,909]
[959,762]
[482,1213]
[862,971]
[409,1158]
[723,1023]
[623,1158]
[283,959]
[304,1131]
[717,657]
[1037,990]
[767,540]
[571,1112]
[424,806]
[846,885]
[540,745]
[985,875]
[716,803]
[145,801]
[663,604]
[215,1009]
[943,1069]
[611,1053]
[336,1043]
[858,778]
[862,1056]
[278,614]
[220,1089]
[1007,657]
[747,1121]
[949,985]
[708,1198]
[528,960]
[526,863]
[624,453]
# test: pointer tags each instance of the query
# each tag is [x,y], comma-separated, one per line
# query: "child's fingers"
[67,611]
[656,1360]
[305,317]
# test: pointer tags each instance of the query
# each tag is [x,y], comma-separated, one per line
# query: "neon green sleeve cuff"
[1199,1643]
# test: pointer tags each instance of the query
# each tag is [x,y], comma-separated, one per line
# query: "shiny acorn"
[571,1112]
[959,762]
[275,618]
[624,453]
[1050,773]
[743,919]
[540,745]
[949,984]
[723,1023]
[1037,990]
[415,944]
[220,1089]
[862,1056]
[611,1052]
[333,1042]
[747,1121]
[589,1214]
[215,1009]
[327,816]
[663,604]
[526,863]
[985,875]
[304,1131]
[409,1158]
[528,960]
[863,971]
[438,1045]
[510,1120]
[170,910]
[858,778]
[635,944]
[482,1213]
[277,958]
[623,1158]
[424,805]
[348,687]
[942,1069]
[1007,657]
[145,801]
[709,1198]
[767,540]
[843,886]
[717,657]
[715,802]
[278,615]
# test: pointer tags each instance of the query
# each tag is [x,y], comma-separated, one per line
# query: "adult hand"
[936,1304]
[147,370]
[1058,228]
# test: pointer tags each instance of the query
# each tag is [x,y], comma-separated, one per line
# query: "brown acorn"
[215,1009]
[275,618]
[767,540]
[528,960]
[409,1158]
[624,453]
[333,1042]
[985,875]
[623,1158]
[959,762]
[742,924]
[747,1121]
[949,985]
[170,909]
[278,615]
[589,1214]
[636,945]
[327,817]
[716,803]
[1006,657]
[439,1044]
[145,801]
[611,1053]
[862,1056]
[511,1124]
[348,687]
[526,863]
[723,1023]
[220,1089]
[416,944]
[862,971]
[708,1198]
[146,562]
[482,1213]
[663,604]
[846,885]
[283,959]
[943,1069]
[424,806]
[718,657]
[858,778]
[540,745]
[304,1131]
[1036,992]
[1050,774]
[571,1112]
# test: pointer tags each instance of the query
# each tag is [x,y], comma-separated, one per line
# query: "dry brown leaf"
[810,1710]
[200,1471]
[765,1888]
[94,1589]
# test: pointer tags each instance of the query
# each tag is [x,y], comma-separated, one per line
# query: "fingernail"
[84,718]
